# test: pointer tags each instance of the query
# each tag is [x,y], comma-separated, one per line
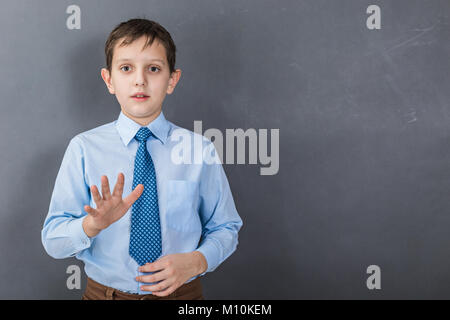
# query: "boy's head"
[140,58]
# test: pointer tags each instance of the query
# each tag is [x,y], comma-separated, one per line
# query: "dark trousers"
[96,291]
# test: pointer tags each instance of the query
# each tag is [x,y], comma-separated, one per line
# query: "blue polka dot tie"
[145,234]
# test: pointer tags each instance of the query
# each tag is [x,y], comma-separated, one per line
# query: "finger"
[156,266]
[105,188]
[90,210]
[156,277]
[133,196]
[161,286]
[118,188]
[96,195]
[166,292]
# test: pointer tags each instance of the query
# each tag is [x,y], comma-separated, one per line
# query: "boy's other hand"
[172,271]
[110,207]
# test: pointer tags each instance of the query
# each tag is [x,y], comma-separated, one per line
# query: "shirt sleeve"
[62,234]
[220,219]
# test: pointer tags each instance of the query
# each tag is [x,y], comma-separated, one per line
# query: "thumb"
[133,196]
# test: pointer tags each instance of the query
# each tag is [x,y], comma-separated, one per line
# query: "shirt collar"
[128,128]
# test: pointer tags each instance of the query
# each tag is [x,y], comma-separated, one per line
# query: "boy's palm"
[111,207]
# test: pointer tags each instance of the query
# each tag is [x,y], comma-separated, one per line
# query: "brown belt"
[96,291]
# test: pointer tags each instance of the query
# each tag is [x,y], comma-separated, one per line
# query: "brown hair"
[134,29]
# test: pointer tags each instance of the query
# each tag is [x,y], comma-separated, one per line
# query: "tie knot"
[143,134]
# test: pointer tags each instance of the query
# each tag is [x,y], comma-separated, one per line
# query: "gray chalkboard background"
[364,120]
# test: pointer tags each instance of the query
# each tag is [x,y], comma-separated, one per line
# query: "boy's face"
[144,70]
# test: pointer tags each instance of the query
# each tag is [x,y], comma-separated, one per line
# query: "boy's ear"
[173,80]
[107,78]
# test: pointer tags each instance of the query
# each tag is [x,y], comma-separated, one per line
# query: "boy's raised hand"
[110,207]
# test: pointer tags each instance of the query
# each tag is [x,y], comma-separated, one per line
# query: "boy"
[176,223]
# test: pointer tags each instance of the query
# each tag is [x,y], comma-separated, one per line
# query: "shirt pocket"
[182,213]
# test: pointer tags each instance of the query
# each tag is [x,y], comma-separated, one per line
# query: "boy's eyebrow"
[126,59]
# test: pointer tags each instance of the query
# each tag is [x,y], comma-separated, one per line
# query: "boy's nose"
[140,81]
[140,78]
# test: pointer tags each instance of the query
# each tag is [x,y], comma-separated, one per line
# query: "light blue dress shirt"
[197,209]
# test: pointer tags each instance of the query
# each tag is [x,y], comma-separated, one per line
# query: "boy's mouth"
[140,97]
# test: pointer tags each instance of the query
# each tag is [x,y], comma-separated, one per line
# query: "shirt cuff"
[79,238]
[212,255]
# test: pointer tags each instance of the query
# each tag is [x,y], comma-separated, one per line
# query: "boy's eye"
[152,68]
